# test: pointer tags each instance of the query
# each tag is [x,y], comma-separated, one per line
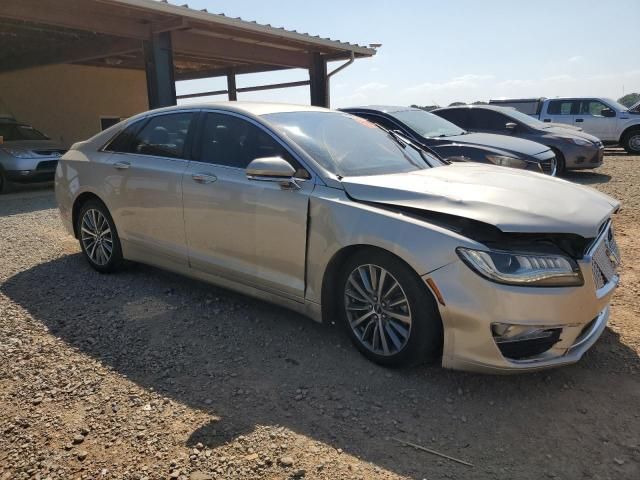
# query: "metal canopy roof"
[110,33]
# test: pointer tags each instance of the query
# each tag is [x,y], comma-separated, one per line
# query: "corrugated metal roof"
[163,6]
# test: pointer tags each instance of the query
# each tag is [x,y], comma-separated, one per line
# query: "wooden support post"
[231,85]
[161,85]
[319,81]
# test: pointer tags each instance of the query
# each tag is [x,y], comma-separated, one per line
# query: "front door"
[592,121]
[246,230]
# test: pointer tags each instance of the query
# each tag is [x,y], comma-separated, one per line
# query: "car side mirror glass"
[511,125]
[272,169]
[607,112]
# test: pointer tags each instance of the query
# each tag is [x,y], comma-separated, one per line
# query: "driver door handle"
[578,120]
[204,178]
[121,165]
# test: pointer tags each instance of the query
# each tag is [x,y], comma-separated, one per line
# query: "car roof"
[380,108]
[254,108]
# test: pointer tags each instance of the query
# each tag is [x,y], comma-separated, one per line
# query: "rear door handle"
[121,165]
[203,178]
[579,120]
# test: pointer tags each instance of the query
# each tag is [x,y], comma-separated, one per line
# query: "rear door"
[488,121]
[592,121]
[561,111]
[144,187]
[249,231]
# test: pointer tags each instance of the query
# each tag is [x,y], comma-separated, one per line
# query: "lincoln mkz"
[486,268]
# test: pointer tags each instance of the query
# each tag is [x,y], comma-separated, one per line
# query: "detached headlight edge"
[523,269]
[504,161]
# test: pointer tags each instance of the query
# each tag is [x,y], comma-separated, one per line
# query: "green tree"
[629,99]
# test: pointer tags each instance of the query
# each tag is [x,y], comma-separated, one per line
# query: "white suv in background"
[604,118]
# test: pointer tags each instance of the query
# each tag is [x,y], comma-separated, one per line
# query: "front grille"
[605,258]
[48,165]
[50,153]
[547,166]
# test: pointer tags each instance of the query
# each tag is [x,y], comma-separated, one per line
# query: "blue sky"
[437,52]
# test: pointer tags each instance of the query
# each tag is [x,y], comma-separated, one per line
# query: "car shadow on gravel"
[27,200]
[586,178]
[247,364]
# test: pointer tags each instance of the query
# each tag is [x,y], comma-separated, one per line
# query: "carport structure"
[168,42]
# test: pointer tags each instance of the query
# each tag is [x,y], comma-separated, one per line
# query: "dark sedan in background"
[574,150]
[455,144]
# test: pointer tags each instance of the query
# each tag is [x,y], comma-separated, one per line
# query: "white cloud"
[576,59]
[372,87]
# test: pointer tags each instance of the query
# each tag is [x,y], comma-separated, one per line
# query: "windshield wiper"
[403,141]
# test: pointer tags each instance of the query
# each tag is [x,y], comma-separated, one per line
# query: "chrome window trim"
[146,118]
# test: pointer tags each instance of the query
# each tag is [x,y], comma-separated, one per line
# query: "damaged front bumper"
[552,326]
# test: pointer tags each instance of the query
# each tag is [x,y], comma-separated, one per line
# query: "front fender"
[337,222]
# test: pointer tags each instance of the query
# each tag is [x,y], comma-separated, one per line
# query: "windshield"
[11,132]
[427,124]
[524,118]
[346,145]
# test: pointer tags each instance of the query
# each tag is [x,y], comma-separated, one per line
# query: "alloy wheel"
[378,310]
[553,170]
[96,237]
[634,142]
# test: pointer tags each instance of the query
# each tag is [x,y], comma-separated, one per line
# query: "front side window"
[346,145]
[592,107]
[233,142]
[457,116]
[487,120]
[162,136]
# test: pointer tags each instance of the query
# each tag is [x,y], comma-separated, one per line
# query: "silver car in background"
[26,155]
[489,269]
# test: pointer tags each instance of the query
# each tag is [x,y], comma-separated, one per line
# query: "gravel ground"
[146,375]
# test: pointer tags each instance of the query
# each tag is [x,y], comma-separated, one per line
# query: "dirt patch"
[146,375]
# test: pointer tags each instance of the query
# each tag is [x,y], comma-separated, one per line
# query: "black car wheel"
[631,142]
[561,166]
[389,313]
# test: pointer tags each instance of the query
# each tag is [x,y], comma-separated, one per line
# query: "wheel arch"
[628,130]
[79,201]
[332,272]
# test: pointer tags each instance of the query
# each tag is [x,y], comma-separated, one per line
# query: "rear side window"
[162,136]
[458,116]
[561,107]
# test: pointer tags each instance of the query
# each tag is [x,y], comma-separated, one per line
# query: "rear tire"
[98,237]
[631,142]
[4,184]
[390,315]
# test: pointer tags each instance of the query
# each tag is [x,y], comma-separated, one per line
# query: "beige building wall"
[67,101]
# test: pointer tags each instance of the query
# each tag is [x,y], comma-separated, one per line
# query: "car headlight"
[504,161]
[525,269]
[17,153]
[579,141]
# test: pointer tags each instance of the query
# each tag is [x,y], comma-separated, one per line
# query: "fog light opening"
[520,342]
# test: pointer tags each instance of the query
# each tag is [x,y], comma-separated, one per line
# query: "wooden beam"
[80,15]
[158,58]
[221,72]
[224,49]
[319,81]
[257,88]
[77,52]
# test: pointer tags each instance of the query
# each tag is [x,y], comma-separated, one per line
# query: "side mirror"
[511,126]
[607,112]
[272,169]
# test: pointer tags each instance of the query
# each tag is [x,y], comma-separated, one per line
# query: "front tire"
[631,142]
[99,238]
[561,166]
[390,315]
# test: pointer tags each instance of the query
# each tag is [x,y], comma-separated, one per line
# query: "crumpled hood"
[503,142]
[511,200]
